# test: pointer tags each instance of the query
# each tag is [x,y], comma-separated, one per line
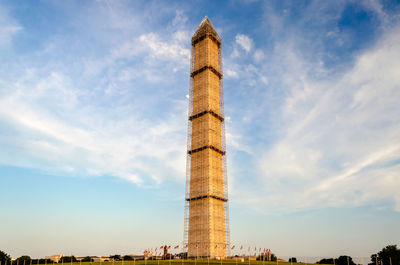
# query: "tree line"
[5,259]
[389,255]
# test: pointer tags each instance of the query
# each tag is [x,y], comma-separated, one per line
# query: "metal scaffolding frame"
[209,147]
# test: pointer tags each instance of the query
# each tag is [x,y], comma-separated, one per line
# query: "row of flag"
[264,250]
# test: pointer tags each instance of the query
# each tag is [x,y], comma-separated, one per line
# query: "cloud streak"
[338,132]
[99,121]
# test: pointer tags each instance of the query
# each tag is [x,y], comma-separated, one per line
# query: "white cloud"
[8,28]
[83,140]
[180,18]
[258,56]
[245,42]
[61,121]
[163,50]
[231,73]
[339,144]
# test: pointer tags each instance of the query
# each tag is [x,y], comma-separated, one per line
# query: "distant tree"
[261,257]
[127,257]
[4,257]
[293,260]
[342,260]
[23,260]
[115,257]
[39,261]
[182,255]
[325,261]
[66,259]
[388,254]
[87,259]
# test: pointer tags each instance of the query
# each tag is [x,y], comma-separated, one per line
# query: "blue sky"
[93,123]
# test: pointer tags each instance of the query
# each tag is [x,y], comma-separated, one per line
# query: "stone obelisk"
[206,212]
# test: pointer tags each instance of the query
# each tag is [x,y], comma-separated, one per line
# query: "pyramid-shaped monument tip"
[205,27]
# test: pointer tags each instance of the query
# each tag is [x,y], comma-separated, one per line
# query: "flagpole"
[264,258]
[236,261]
[208,256]
[220,258]
[249,254]
[241,248]
[182,256]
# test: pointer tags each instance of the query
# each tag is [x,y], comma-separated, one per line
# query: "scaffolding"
[206,223]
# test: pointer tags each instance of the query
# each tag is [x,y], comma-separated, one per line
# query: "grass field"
[184,262]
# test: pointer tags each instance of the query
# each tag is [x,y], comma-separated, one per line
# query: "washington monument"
[206,208]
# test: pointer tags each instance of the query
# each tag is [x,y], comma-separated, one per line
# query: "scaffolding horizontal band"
[212,69]
[207,196]
[204,113]
[207,35]
[205,147]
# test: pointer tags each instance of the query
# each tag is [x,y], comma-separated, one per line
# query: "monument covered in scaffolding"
[206,196]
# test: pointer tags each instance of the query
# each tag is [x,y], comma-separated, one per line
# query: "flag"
[176,247]
[233,247]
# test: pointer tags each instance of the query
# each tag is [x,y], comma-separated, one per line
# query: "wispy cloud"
[100,121]
[338,133]
[8,27]
[244,42]
[323,135]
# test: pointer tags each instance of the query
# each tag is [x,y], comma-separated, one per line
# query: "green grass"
[184,262]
